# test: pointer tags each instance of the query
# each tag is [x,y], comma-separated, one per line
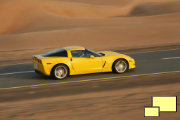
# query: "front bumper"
[132,64]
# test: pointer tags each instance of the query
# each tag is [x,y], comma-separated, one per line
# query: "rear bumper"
[39,67]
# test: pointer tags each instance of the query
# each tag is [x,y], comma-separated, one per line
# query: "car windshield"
[94,53]
[56,53]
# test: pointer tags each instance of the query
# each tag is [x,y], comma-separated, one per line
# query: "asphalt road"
[146,63]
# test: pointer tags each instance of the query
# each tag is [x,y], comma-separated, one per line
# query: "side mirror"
[92,56]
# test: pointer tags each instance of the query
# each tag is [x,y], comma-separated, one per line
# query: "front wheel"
[120,66]
[60,72]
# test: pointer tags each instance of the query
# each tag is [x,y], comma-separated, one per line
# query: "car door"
[82,62]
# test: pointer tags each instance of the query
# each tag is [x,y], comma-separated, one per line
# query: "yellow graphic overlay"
[168,104]
[151,112]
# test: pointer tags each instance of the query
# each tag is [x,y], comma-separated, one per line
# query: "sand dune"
[155,8]
[111,33]
[38,24]
[19,14]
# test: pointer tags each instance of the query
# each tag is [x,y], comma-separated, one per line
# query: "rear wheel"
[60,71]
[36,71]
[120,66]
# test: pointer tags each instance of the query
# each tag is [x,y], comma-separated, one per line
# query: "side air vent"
[104,64]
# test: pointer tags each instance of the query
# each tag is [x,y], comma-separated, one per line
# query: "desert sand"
[29,27]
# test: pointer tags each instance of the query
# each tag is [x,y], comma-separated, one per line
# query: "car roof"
[74,48]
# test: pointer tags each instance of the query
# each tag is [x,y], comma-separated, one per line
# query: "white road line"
[170,58]
[16,73]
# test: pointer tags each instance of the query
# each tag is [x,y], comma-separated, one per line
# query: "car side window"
[88,53]
[83,53]
[77,53]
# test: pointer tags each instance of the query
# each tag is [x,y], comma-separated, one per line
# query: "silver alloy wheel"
[60,72]
[121,66]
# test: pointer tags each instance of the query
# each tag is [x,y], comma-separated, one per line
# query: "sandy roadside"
[110,105]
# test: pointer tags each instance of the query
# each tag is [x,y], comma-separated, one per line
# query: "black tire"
[63,72]
[123,67]
[36,71]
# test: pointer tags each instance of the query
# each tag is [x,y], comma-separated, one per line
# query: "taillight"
[48,63]
[37,60]
[40,61]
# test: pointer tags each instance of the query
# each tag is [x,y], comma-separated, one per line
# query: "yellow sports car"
[76,60]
